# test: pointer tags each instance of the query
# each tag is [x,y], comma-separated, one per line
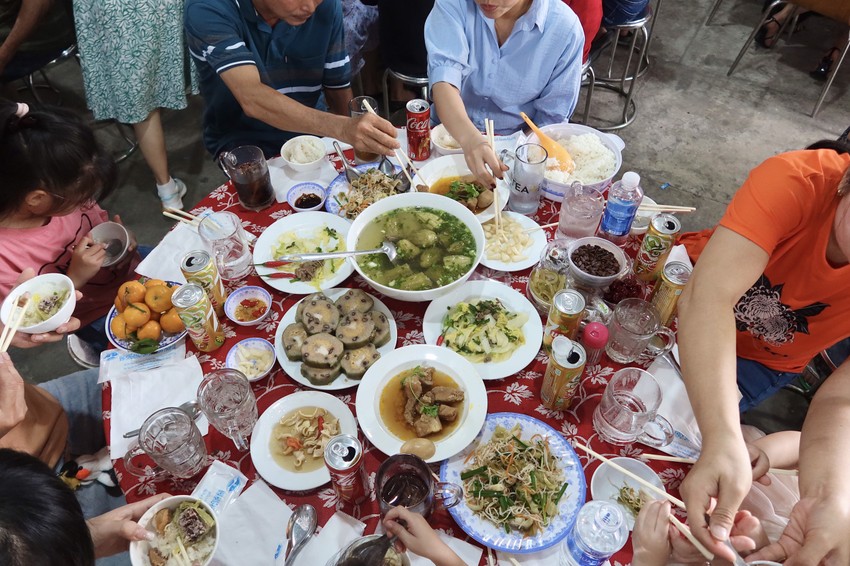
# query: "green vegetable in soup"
[434,248]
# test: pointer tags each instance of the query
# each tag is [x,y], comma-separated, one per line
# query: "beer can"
[195,310]
[344,459]
[657,243]
[565,316]
[669,288]
[563,373]
[418,129]
[198,267]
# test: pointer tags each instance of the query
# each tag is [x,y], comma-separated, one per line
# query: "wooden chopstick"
[194,223]
[677,502]
[662,458]
[488,127]
[666,208]
[16,317]
[683,528]
[543,227]
[400,154]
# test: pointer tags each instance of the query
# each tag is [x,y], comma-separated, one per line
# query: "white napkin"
[164,260]
[679,253]
[283,177]
[676,408]
[138,395]
[253,528]
[338,533]
[468,553]
[548,557]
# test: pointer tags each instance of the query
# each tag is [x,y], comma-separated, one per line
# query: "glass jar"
[549,275]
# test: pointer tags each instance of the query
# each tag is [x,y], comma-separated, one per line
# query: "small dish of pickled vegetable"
[248,306]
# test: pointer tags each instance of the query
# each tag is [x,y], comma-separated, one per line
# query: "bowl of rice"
[444,143]
[185,531]
[597,155]
[303,153]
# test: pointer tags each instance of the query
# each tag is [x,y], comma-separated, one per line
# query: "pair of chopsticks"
[681,527]
[493,558]
[16,317]
[660,458]
[543,227]
[665,208]
[195,222]
[489,127]
[402,158]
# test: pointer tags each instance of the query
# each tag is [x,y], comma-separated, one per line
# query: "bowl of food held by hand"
[595,262]
[52,301]
[115,238]
[184,529]
[437,241]
[303,153]
[597,156]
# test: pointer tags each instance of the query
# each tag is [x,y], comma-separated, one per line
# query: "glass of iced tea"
[357,107]
[248,171]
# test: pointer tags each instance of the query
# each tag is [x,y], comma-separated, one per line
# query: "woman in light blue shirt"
[497,58]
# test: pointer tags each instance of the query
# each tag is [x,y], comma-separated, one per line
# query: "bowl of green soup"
[438,240]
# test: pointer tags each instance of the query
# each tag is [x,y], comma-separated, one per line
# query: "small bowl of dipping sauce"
[248,306]
[305,197]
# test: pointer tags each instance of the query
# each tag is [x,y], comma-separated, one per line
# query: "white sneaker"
[174,199]
[82,352]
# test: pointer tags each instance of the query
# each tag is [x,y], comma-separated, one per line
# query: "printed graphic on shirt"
[762,313]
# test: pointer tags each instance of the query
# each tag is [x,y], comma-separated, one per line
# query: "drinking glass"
[357,107]
[628,408]
[222,231]
[525,177]
[248,170]
[172,440]
[406,480]
[226,398]
[633,327]
[581,210]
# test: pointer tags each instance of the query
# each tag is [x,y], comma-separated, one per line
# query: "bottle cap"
[595,335]
[631,180]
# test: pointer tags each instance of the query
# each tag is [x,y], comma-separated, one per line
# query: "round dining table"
[518,393]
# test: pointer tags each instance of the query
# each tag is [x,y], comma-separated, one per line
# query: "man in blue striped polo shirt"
[263,66]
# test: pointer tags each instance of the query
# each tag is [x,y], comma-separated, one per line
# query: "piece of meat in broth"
[426,425]
[447,413]
[443,394]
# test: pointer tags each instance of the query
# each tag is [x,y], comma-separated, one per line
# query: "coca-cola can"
[418,129]
[344,459]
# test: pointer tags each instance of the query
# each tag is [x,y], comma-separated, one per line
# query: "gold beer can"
[195,310]
[657,243]
[563,373]
[565,316]
[669,288]
[198,267]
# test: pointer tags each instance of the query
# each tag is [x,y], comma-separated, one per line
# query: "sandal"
[825,66]
[762,38]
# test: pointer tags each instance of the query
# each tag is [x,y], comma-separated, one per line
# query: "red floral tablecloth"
[519,393]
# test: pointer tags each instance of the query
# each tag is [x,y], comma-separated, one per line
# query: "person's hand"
[13,406]
[112,532]
[371,133]
[86,260]
[482,161]
[746,535]
[419,538]
[760,464]
[650,537]
[132,245]
[23,340]
[816,534]
[722,472]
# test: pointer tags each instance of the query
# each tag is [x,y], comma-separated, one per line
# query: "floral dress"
[134,57]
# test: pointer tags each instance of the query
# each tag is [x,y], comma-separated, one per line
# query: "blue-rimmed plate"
[337,192]
[167,339]
[494,536]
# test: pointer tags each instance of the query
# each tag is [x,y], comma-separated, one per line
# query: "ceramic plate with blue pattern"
[494,536]
[338,189]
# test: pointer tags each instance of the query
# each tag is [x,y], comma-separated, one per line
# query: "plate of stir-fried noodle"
[350,199]
[523,484]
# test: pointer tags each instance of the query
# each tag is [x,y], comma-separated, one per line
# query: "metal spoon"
[302,525]
[351,173]
[387,248]
[386,167]
[191,408]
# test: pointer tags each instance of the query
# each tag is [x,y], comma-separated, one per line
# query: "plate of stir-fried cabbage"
[523,484]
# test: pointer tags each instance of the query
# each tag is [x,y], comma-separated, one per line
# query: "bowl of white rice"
[597,155]
[303,153]
[178,540]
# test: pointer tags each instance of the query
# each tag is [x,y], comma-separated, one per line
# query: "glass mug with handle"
[248,170]
[525,176]
[628,410]
[407,480]
[634,329]
[172,440]
[223,233]
[226,398]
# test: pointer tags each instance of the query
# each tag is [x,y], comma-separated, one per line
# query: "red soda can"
[344,459]
[418,129]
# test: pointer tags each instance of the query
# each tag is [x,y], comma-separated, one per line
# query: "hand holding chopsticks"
[16,317]
[491,139]
[399,155]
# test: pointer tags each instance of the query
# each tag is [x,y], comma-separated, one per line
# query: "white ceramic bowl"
[289,147]
[295,191]
[232,360]
[555,191]
[42,285]
[428,200]
[106,231]
[585,279]
[336,559]
[249,292]
[139,549]
[443,141]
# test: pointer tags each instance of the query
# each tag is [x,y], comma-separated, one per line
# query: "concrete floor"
[697,130]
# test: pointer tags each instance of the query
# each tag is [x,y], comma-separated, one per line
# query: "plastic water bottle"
[624,197]
[599,532]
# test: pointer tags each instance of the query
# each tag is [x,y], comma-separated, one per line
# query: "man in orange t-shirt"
[769,291]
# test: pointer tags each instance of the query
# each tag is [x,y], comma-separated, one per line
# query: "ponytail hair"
[50,149]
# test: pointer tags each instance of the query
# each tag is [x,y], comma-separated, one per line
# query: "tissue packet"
[115,363]
[220,486]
